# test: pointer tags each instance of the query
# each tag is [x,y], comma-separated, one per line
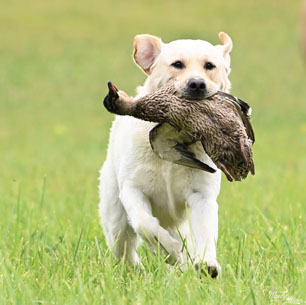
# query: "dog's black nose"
[196,84]
[196,87]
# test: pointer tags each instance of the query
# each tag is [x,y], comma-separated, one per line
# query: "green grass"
[55,59]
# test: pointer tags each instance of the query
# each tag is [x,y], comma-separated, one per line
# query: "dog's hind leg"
[120,237]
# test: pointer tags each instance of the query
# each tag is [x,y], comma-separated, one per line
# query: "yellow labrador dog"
[146,198]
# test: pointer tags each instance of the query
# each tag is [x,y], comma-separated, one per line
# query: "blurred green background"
[55,60]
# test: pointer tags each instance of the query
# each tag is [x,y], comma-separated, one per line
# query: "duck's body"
[220,122]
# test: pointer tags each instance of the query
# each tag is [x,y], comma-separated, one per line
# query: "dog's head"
[198,68]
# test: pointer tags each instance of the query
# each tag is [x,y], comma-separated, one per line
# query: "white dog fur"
[146,198]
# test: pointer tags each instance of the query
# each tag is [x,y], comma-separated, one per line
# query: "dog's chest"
[167,185]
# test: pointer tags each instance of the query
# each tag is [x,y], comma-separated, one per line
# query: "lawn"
[55,59]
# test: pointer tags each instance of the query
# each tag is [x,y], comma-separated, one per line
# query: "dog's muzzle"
[196,88]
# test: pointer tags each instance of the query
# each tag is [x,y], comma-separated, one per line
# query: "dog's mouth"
[192,93]
[195,95]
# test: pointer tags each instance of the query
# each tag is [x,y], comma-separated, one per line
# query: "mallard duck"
[220,122]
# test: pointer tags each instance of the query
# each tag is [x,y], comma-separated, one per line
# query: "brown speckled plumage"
[220,122]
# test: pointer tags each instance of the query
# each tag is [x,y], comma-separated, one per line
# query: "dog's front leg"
[138,209]
[204,223]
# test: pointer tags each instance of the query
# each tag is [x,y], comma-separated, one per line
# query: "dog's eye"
[178,64]
[209,66]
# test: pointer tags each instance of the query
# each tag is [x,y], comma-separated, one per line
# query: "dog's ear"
[225,49]
[146,50]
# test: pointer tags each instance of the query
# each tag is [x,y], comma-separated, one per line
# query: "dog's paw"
[210,266]
[213,268]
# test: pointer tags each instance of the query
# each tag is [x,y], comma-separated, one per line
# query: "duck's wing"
[172,145]
[244,111]
[187,158]
[246,121]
